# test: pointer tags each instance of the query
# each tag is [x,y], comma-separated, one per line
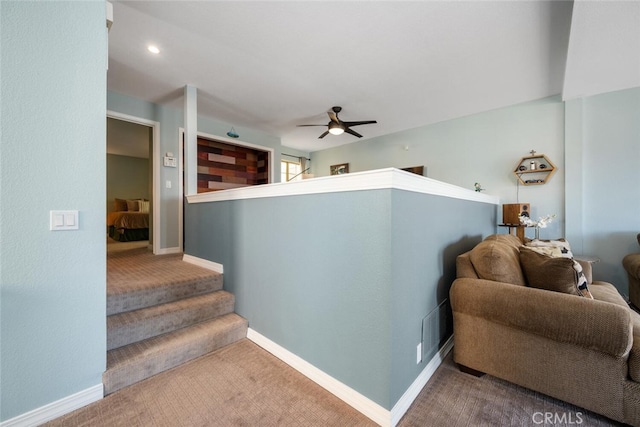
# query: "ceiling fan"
[337,126]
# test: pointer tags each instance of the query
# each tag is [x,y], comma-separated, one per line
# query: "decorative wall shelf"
[535,169]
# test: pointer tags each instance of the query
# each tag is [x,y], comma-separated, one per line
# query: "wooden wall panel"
[222,166]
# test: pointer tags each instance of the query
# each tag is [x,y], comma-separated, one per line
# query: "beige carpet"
[239,385]
[452,398]
[137,278]
[243,385]
[114,245]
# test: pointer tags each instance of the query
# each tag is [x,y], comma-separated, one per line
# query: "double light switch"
[63,220]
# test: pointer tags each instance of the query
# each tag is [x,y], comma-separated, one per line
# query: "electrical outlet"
[419,353]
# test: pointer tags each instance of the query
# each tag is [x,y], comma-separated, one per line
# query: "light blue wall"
[171,120]
[52,300]
[428,233]
[482,148]
[306,272]
[592,141]
[604,197]
[342,280]
[127,178]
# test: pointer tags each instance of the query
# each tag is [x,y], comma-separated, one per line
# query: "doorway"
[133,174]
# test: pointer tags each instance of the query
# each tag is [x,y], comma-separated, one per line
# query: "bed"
[131,224]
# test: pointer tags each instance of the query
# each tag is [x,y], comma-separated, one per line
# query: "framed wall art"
[340,169]
[418,170]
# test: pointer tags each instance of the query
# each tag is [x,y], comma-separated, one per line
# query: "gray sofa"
[580,350]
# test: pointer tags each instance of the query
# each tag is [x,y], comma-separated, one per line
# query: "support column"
[574,174]
[190,140]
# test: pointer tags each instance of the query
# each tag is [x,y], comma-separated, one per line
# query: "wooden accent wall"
[222,166]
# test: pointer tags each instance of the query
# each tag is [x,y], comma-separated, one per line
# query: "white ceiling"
[274,65]
[604,48]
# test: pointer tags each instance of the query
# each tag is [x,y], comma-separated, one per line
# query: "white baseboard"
[361,403]
[403,404]
[167,251]
[205,263]
[358,401]
[56,409]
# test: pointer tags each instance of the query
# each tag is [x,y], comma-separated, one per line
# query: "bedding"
[126,226]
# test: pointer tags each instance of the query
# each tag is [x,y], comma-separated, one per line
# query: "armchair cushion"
[508,239]
[497,261]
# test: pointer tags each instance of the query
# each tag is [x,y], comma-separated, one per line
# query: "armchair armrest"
[560,317]
[631,263]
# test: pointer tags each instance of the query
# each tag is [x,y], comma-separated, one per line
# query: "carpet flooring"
[243,385]
[452,398]
[137,278]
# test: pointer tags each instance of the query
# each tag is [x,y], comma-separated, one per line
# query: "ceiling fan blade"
[323,135]
[333,116]
[364,122]
[354,133]
[308,125]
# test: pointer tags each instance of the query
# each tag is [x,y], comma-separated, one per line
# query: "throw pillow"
[497,261]
[119,205]
[560,243]
[133,205]
[558,274]
[552,251]
[144,206]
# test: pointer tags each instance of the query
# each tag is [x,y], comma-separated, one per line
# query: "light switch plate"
[63,220]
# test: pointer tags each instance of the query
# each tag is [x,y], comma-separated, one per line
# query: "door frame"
[155,165]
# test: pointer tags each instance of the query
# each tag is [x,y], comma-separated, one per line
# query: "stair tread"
[137,278]
[134,362]
[126,328]
[159,292]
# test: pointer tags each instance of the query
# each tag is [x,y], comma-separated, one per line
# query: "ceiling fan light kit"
[335,129]
[338,127]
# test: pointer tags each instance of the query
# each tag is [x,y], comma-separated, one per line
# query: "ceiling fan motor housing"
[338,127]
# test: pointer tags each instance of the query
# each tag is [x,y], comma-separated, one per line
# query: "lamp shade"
[335,128]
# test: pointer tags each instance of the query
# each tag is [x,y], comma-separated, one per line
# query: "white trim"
[403,404]
[369,180]
[361,403]
[167,251]
[204,263]
[155,157]
[181,187]
[56,409]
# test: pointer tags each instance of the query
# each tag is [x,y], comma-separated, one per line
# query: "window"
[290,171]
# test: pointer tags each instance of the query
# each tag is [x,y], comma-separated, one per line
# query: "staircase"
[162,312]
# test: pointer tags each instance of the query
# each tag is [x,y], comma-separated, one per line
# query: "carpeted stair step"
[140,291]
[132,326]
[135,362]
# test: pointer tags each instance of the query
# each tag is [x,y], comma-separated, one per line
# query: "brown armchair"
[631,263]
[580,350]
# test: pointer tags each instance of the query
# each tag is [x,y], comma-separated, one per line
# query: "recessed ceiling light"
[153,49]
